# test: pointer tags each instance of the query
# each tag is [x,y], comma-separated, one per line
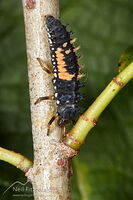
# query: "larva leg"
[54,117]
[44,66]
[50,122]
[63,131]
[74,122]
[43,98]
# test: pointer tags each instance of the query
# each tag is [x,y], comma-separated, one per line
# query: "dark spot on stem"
[117,81]
[61,162]
[74,140]
[30,4]
[84,118]
[94,122]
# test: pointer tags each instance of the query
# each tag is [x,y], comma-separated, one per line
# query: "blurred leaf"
[82,179]
[15,126]
[104,30]
[125,59]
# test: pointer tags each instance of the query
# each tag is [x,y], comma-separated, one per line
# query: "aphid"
[65,72]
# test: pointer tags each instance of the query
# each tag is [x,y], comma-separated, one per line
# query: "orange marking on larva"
[65,44]
[68,51]
[58,51]
[66,76]
[61,69]
[63,74]
[60,62]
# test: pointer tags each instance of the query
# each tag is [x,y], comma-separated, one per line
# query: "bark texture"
[50,172]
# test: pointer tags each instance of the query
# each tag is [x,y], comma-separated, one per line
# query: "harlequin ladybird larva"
[65,72]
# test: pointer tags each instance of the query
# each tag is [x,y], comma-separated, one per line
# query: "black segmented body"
[66,71]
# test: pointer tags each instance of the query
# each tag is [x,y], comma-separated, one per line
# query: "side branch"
[15,159]
[88,120]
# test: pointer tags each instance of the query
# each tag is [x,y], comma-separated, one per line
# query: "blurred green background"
[104,167]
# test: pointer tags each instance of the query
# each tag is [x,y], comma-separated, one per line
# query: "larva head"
[51,22]
[68,113]
[56,31]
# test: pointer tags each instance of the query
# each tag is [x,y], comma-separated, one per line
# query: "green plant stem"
[87,121]
[15,159]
